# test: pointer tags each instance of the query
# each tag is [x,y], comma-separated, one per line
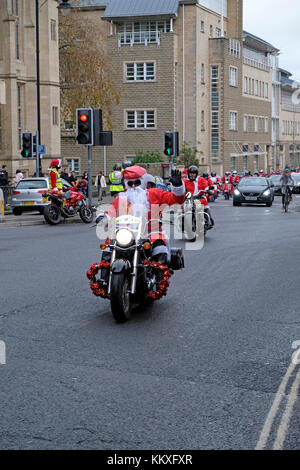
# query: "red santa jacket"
[195,187]
[227,178]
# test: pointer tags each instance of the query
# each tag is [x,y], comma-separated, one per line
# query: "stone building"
[18,96]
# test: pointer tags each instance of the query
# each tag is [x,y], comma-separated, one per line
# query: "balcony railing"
[256,64]
[140,37]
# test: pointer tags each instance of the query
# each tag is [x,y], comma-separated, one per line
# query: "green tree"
[188,155]
[148,157]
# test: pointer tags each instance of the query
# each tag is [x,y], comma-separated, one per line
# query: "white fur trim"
[178,190]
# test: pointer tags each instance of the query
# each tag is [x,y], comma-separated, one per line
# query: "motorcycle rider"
[139,201]
[261,174]
[235,178]
[227,178]
[197,186]
[115,179]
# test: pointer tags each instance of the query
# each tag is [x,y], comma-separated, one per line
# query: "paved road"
[198,370]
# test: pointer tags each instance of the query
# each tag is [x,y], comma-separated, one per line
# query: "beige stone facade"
[167,82]
[18,97]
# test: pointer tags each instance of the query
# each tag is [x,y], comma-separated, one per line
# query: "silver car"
[27,196]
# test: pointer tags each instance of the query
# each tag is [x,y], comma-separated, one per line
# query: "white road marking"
[264,436]
[285,420]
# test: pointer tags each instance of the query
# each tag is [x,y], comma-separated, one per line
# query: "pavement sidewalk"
[35,218]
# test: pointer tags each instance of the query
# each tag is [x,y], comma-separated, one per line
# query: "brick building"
[18,98]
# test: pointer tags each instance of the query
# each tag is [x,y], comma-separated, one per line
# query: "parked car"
[254,190]
[27,196]
[296,177]
[275,180]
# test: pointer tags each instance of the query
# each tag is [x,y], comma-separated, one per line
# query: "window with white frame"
[233,120]
[266,90]
[202,27]
[245,123]
[140,71]
[73,165]
[245,163]
[140,119]
[246,85]
[218,33]
[266,125]
[233,76]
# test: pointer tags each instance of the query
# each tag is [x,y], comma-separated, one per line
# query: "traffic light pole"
[90,188]
[37,170]
[38,82]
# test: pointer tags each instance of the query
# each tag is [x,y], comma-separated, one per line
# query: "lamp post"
[64,7]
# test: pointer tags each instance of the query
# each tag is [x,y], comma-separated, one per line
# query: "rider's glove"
[176,178]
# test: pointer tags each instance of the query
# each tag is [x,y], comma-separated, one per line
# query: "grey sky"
[277,22]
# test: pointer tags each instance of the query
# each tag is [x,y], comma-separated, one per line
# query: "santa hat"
[134,173]
[56,162]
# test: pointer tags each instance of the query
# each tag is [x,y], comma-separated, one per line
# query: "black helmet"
[126,164]
[193,169]
[213,174]
[205,175]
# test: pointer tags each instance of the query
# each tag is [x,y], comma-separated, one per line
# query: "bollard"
[2,206]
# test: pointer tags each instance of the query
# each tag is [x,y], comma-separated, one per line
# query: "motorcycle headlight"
[124,237]
[267,192]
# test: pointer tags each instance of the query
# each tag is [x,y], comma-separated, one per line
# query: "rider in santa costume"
[197,186]
[149,203]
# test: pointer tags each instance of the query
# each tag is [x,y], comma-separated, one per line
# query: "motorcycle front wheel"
[52,214]
[86,214]
[120,301]
[190,226]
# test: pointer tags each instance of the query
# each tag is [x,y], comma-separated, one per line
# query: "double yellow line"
[285,420]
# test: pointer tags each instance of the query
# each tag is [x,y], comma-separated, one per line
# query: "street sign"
[42,149]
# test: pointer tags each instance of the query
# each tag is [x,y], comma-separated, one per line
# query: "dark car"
[275,180]
[254,190]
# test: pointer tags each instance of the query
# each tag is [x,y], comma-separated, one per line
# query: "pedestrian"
[100,184]
[65,175]
[4,182]
[73,178]
[19,176]
[85,176]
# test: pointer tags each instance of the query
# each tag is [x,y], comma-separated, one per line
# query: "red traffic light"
[82,118]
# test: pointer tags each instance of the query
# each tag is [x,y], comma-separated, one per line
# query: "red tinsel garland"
[157,295]
[94,284]
[164,283]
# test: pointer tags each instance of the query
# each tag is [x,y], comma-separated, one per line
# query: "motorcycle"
[227,190]
[128,275]
[66,205]
[193,220]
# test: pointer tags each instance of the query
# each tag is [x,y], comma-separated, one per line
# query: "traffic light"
[171,144]
[34,145]
[84,126]
[98,125]
[27,145]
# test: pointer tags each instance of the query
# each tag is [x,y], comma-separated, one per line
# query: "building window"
[255,162]
[245,123]
[266,90]
[214,114]
[245,163]
[218,33]
[266,125]
[15,7]
[202,121]
[256,88]
[140,119]
[55,115]
[140,32]
[234,47]
[233,76]
[202,27]
[73,165]
[232,164]
[17,42]
[140,71]
[68,125]
[19,110]
[211,31]
[233,120]
[246,85]
[202,74]
[53,30]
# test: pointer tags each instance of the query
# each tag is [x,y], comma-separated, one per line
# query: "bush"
[148,157]
[188,156]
